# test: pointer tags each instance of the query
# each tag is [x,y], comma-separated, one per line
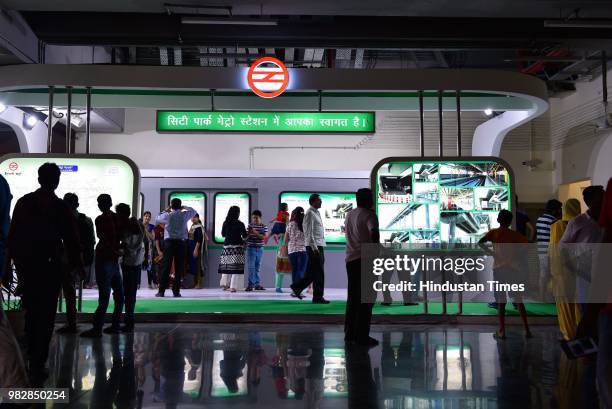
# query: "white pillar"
[30,140]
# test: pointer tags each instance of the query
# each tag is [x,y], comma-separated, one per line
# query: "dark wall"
[8,140]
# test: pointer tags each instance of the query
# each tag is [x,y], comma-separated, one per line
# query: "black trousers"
[315,274]
[358,313]
[42,283]
[69,291]
[174,250]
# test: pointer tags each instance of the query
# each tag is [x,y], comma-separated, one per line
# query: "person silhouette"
[42,230]
[108,276]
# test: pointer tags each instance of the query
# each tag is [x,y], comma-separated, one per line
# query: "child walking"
[505,266]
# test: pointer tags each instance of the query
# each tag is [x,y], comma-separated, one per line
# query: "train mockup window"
[87,176]
[225,200]
[193,199]
[334,207]
[433,201]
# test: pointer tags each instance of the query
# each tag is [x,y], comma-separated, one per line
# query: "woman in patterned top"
[231,263]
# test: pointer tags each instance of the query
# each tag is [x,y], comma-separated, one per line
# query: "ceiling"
[417,8]
[356,34]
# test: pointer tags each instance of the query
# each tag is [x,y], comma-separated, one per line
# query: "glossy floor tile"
[293,366]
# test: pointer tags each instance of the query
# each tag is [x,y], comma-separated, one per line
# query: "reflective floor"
[267,366]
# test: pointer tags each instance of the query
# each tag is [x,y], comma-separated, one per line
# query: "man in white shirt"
[174,219]
[314,238]
[361,227]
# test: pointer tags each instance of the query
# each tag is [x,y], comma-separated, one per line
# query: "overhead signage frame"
[266,121]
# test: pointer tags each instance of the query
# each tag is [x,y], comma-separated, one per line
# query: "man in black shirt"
[42,229]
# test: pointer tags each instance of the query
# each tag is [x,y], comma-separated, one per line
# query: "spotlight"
[488,112]
[29,121]
[2,107]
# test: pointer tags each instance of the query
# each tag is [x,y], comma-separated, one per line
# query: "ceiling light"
[229,21]
[2,107]
[29,121]
[488,112]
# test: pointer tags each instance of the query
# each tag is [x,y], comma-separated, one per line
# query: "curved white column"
[30,140]
[489,136]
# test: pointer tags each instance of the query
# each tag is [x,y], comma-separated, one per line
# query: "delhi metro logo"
[13,166]
[268,77]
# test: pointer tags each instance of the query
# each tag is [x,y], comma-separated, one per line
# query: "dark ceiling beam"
[140,29]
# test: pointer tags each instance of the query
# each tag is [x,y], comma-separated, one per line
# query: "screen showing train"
[223,201]
[333,210]
[195,200]
[440,201]
[87,177]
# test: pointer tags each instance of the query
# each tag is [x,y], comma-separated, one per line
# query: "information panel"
[256,121]
[223,202]
[333,210]
[195,200]
[88,177]
[451,201]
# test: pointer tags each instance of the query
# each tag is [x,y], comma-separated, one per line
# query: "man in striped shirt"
[254,249]
[551,214]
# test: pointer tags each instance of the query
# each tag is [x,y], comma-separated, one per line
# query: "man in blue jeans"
[255,242]
[108,229]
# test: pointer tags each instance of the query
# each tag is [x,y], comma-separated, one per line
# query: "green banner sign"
[319,122]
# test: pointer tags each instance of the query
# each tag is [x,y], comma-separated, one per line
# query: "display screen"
[334,209]
[223,202]
[440,201]
[195,200]
[86,177]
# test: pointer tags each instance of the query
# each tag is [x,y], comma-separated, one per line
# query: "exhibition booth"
[433,200]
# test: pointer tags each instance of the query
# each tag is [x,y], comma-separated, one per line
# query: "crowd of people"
[59,255]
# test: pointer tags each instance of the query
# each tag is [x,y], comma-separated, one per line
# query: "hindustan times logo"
[457,265]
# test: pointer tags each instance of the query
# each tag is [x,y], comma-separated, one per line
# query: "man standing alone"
[361,226]
[314,235]
[175,220]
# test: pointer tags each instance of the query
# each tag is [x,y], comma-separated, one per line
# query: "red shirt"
[107,230]
[282,216]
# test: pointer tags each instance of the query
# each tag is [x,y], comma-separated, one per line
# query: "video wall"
[195,200]
[88,177]
[429,202]
[223,201]
[334,208]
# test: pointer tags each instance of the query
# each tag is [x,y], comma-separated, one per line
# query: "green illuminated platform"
[171,305]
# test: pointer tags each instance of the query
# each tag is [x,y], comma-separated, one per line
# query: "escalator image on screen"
[409,217]
[473,174]
[491,199]
[452,201]
[466,227]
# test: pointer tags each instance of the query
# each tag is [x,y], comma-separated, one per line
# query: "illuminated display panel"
[195,200]
[225,200]
[88,177]
[334,208]
[428,201]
